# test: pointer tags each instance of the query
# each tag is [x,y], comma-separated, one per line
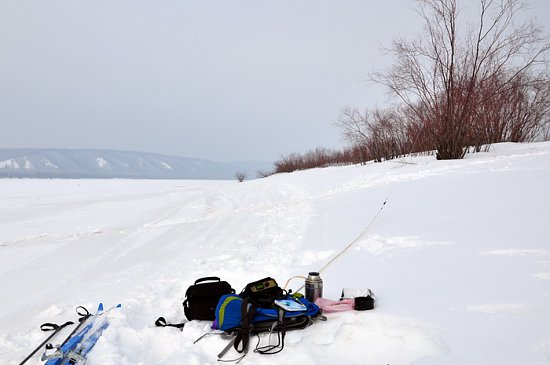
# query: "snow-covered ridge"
[9,164]
[71,163]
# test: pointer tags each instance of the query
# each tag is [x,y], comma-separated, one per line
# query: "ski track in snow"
[517,252]
[452,291]
[376,244]
[542,275]
[501,308]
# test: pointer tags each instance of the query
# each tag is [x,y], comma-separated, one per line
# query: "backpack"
[229,314]
[202,297]
[261,308]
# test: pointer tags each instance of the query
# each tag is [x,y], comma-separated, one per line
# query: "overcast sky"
[219,80]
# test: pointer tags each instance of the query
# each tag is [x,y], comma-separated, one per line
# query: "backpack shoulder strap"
[243,334]
[241,337]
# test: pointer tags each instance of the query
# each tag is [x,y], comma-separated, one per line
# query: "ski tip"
[119,305]
[100,307]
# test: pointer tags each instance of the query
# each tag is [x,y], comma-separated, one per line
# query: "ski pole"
[84,314]
[47,327]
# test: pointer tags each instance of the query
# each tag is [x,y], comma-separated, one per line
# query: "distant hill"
[106,164]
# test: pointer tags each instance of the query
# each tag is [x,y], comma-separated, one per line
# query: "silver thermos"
[314,287]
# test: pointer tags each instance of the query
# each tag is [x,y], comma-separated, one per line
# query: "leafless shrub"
[240,176]
[319,157]
[382,134]
[546,132]
[520,113]
[264,173]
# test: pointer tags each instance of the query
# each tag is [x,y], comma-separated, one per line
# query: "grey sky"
[221,80]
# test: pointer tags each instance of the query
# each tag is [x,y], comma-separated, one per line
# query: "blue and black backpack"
[262,306]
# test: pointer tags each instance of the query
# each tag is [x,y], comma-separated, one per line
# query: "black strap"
[83,313]
[161,322]
[47,327]
[208,278]
[243,335]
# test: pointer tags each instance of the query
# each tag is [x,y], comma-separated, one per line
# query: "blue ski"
[63,354]
[80,354]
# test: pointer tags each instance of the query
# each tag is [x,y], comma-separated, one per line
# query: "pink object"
[331,306]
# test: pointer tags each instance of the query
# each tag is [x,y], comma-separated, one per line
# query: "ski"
[56,358]
[79,355]
[52,351]
[75,349]
[47,327]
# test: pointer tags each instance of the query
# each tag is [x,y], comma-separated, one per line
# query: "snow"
[50,164]
[9,164]
[459,259]
[101,162]
[166,165]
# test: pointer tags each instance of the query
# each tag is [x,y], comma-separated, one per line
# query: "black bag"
[202,297]
[263,292]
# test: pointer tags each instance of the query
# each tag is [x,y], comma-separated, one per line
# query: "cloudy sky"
[220,80]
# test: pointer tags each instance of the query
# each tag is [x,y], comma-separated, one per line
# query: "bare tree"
[353,125]
[438,75]
[240,176]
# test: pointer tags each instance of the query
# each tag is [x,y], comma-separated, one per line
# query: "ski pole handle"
[161,322]
[47,327]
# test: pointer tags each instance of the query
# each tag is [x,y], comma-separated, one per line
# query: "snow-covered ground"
[459,259]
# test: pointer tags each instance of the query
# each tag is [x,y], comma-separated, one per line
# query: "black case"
[262,292]
[202,297]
